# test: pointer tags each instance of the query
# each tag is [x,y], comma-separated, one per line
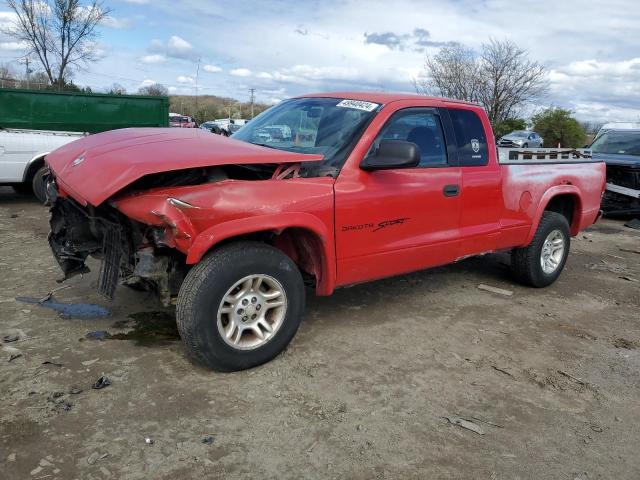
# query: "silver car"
[521,139]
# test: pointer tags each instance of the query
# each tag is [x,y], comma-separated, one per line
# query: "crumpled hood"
[96,167]
[618,159]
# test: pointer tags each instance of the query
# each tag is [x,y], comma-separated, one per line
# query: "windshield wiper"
[265,145]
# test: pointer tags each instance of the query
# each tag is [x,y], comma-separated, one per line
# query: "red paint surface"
[343,214]
[115,159]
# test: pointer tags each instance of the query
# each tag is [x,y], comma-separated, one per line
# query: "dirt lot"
[552,377]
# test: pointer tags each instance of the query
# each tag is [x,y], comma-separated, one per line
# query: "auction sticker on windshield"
[358,104]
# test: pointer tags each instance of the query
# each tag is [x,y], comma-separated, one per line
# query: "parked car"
[22,154]
[181,121]
[521,139]
[231,232]
[214,127]
[620,150]
[230,125]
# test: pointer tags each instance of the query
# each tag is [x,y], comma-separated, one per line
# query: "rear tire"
[222,332]
[540,263]
[38,185]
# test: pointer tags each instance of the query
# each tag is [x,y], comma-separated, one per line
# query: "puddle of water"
[70,310]
[148,327]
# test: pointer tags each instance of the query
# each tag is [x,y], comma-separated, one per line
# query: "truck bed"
[528,182]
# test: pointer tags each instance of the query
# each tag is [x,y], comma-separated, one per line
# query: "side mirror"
[393,154]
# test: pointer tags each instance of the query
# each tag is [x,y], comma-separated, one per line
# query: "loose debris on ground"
[360,392]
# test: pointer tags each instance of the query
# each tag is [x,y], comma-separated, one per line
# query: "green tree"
[508,126]
[557,126]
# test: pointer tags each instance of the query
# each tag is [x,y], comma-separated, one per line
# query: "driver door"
[400,220]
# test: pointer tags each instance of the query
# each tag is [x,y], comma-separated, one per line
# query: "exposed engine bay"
[134,253]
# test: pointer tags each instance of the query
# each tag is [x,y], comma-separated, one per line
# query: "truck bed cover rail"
[544,155]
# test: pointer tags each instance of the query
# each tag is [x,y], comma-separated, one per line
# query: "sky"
[284,48]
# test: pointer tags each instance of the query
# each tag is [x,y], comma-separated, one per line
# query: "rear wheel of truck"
[240,306]
[38,185]
[541,262]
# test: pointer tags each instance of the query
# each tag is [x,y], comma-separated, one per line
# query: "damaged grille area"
[111,257]
[628,177]
[624,200]
[126,249]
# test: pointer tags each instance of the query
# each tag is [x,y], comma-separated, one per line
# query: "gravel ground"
[551,377]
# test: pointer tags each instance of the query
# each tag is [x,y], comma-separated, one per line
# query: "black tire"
[38,185]
[526,262]
[209,281]
[525,145]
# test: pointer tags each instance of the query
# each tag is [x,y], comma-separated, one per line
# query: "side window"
[470,136]
[420,127]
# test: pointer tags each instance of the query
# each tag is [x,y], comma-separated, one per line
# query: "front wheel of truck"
[240,306]
[540,263]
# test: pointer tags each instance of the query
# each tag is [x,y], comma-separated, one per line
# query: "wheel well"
[33,167]
[566,205]
[303,246]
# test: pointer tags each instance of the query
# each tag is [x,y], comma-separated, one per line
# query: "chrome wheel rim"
[552,252]
[251,312]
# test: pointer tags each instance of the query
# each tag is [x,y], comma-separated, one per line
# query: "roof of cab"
[385,97]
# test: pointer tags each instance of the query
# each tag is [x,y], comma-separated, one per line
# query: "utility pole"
[252,98]
[197,73]
[26,60]
[27,71]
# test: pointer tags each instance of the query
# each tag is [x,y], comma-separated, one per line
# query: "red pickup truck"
[324,190]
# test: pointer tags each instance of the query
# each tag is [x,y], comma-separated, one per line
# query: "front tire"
[240,306]
[540,263]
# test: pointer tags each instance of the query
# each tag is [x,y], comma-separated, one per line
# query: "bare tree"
[452,73]
[116,89]
[61,33]
[501,78]
[154,90]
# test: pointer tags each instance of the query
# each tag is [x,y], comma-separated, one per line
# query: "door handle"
[451,190]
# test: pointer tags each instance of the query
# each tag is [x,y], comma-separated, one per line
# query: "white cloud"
[598,90]
[241,72]
[7,19]
[147,83]
[155,58]
[117,23]
[138,2]
[590,49]
[13,46]
[177,47]
[177,44]
[185,79]
[212,68]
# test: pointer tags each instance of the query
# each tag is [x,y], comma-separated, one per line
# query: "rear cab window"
[470,137]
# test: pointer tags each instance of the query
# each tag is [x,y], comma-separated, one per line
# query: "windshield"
[518,134]
[618,142]
[325,126]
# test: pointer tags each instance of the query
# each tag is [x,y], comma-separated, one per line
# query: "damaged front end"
[622,194]
[125,248]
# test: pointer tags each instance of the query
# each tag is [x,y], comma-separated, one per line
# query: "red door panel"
[395,221]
